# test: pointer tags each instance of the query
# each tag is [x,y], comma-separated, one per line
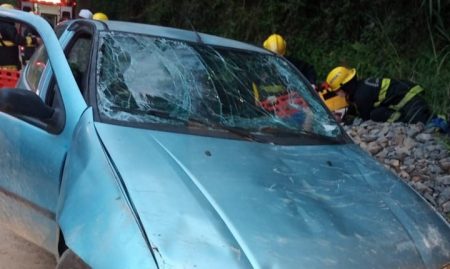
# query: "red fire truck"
[51,10]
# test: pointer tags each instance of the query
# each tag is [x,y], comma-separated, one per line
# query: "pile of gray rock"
[412,151]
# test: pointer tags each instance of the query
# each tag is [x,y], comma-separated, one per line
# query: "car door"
[34,145]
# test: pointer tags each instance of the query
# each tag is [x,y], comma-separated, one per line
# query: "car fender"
[93,209]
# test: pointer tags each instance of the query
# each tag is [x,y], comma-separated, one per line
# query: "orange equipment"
[333,101]
[284,105]
[9,78]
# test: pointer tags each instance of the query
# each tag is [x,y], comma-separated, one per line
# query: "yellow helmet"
[339,76]
[7,6]
[275,43]
[100,16]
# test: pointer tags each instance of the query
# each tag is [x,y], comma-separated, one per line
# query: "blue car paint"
[48,72]
[37,180]
[93,210]
[210,202]
[29,166]
[265,206]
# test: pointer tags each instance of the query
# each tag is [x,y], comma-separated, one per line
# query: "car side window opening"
[34,75]
[148,79]
[79,58]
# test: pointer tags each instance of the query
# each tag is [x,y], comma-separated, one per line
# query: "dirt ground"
[17,253]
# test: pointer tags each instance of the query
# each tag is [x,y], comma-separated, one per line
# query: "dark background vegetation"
[407,39]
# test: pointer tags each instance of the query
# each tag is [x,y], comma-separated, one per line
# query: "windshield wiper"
[285,132]
[240,132]
[153,112]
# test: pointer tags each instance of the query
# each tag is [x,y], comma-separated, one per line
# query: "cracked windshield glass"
[152,80]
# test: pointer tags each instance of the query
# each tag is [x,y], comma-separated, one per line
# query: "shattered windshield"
[154,80]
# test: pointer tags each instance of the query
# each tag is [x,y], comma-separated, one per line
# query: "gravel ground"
[417,154]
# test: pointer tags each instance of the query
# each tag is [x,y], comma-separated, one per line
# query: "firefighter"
[100,16]
[380,99]
[9,44]
[277,44]
[32,40]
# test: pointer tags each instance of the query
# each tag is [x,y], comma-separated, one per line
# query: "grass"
[428,64]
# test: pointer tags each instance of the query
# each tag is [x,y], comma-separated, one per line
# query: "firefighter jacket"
[389,100]
[30,44]
[9,49]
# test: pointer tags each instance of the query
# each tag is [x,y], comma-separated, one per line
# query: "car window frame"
[206,132]
[61,28]
[34,85]
[76,105]
[59,31]
[91,97]
[72,31]
[84,85]
[52,95]
[84,27]
[47,87]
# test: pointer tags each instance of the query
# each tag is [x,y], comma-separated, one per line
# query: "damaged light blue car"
[136,146]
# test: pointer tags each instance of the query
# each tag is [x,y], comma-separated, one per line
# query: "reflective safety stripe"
[272,88]
[29,41]
[255,93]
[395,116]
[382,94]
[6,43]
[8,67]
[410,95]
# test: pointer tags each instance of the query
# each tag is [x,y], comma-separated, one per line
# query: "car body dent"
[211,202]
[104,220]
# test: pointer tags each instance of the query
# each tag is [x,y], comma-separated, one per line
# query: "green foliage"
[407,39]
[12,2]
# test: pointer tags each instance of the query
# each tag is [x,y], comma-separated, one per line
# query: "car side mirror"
[19,102]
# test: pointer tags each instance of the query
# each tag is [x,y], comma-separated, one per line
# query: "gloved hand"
[440,123]
[323,86]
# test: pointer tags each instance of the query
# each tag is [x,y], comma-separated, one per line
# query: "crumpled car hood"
[217,203]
